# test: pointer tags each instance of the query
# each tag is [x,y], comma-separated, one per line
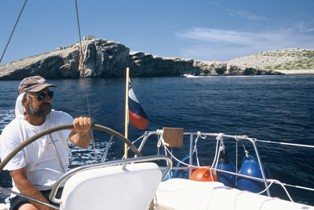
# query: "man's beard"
[41,110]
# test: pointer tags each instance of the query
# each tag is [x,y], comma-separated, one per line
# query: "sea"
[278,108]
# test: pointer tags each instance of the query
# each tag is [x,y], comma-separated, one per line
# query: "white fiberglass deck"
[183,194]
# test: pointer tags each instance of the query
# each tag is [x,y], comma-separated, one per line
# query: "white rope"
[139,138]
[195,147]
[161,140]
[181,162]
[219,143]
[238,138]
[272,181]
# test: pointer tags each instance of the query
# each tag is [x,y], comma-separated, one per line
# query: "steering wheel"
[98,127]
[64,127]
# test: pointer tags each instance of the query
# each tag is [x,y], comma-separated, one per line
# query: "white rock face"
[286,59]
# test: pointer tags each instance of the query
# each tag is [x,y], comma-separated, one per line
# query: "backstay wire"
[11,35]
[82,74]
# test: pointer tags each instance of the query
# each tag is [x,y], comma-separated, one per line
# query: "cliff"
[103,58]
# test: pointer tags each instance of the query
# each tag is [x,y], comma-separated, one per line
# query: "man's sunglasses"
[41,95]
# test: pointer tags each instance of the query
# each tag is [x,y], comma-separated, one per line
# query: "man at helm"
[35,169]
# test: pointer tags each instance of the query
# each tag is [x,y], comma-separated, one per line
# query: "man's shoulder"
[56,115]
[16,122]
[12,128]
[57,112]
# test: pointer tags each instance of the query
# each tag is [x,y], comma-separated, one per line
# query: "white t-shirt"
[41,157]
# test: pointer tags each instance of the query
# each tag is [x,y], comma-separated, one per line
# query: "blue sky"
[199,29]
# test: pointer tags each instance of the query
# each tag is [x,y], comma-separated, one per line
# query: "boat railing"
[194,137]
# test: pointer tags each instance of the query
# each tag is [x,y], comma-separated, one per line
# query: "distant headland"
[99,58]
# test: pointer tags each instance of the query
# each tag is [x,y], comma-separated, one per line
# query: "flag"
[137,115]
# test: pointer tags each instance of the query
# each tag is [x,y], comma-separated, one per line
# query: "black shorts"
[18,201]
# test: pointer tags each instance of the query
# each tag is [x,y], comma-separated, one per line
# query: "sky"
[209,30]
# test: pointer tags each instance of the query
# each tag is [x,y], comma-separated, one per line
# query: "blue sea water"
[278,108]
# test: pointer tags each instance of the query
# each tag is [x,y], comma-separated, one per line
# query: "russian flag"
[137,115]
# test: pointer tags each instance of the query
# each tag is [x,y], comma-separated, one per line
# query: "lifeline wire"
[285,143]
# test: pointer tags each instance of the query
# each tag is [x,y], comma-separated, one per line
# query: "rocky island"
[99,58]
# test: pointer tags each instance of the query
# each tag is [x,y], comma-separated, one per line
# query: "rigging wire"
[11,35]
[81,56]
[82,74]
[80,39]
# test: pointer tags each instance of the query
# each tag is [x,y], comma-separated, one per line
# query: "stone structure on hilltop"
[102,58]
